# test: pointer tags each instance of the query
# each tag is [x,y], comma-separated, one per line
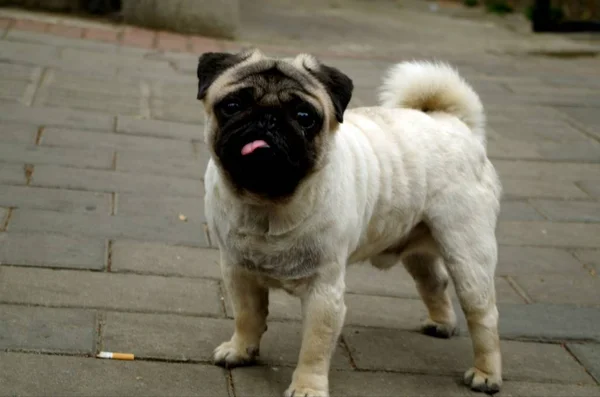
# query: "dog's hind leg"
[463,223]
[432,280]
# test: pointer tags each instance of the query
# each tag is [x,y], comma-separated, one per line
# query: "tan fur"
[393,185]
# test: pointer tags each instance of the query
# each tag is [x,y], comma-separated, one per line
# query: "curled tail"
[433,87]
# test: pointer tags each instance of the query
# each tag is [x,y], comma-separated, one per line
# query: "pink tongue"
[252,146]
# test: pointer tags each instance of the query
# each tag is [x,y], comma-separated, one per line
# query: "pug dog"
[298,187]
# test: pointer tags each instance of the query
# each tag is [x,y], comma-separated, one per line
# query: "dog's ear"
[339,87]
[210,66]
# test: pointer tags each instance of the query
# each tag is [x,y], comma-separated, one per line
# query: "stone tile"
[3,215]
[590,187]
[13,174]
[54,41]
[113,104]
[366,279]
[166,207]
[589,355]
[46,329]
[28,53]
[104,377]
[547,322]
[19,72]
[138,257]
[16,91]
[18,133]
[577,289]
[589,257]
[530,389]
[590,120]
[550,171]
[145,228]
[569,211]
[111,291]
[149,147]
[513,260]
[50,116]
[576,235]
[273,381]
[580,150]
[52,250]
[386,312]
[31,154]
[158,128]
[558,131]
[188,111]
[173,165]
[188,338]
[112,181]
[518,211]
[514,188]
[55,200]
[379,349]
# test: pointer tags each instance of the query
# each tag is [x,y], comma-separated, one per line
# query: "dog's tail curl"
[433,87]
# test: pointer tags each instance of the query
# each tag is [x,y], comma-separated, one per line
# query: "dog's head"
[270,121]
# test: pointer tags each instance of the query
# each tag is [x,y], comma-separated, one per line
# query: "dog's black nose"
[268,121]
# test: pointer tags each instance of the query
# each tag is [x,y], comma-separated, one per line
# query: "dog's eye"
[231,107]
[305,119]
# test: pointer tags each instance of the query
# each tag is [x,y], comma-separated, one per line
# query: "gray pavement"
[103,244]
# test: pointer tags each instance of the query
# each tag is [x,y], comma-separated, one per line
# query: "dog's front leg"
[250,302]
[323,311]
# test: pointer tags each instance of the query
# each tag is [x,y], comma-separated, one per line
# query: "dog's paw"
[230,354]
[299,391]
[481,382]
[438,330]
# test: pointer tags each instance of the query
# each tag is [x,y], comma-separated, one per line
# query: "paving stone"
[47,329]
[569,211]
[27,53]
[366,279]
[547,322]
[513,260]
[167,207]
[53,41]
[145,228]
[551,171]
[164,259]
[148,146]
[580,150]
[113,104]
[16,91]
[273,381]
[105,377]
[558,131]
[577,235]
[31,154]
[590,187]
[18,133]
[589,355]
[112,291]
[19,72]
[52,250]
[13,174]
[530,389]
[158,128]
[112,181]
[55,200]
[188,338]
[589,257]
[526,188]
[379,349]
[589,120]
[3,215]
[577,289]
[518,211]
[174,165]
[50,116]
[188,111]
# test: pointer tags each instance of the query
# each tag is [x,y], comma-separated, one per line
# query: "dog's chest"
[281,257]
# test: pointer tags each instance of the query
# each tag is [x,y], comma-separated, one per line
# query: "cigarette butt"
[116,356]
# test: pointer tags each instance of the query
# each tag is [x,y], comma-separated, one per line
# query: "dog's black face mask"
[266,149]
[268,136]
